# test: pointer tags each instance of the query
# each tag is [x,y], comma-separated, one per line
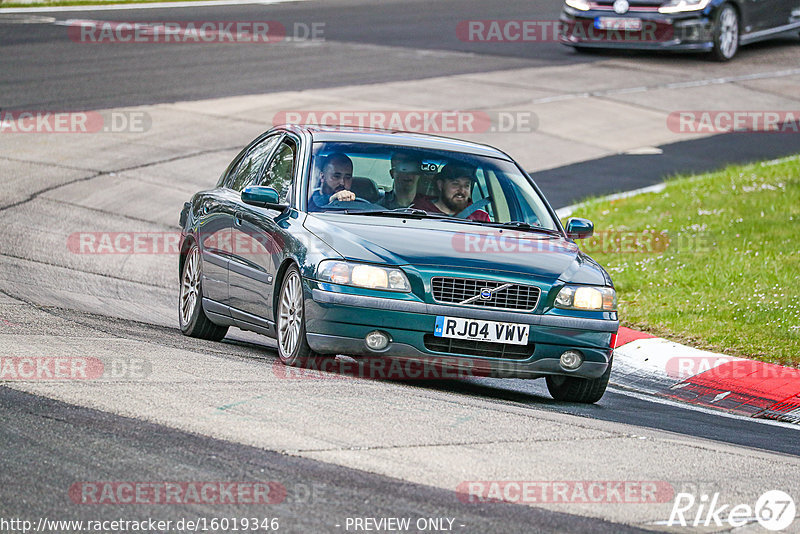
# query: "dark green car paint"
[245,249]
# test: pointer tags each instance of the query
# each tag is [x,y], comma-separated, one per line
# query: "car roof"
[353,134]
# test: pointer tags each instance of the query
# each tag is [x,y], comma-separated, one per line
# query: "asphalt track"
[89,444]
[363,43]
[50,444]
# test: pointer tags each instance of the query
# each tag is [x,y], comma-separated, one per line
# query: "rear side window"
[250,165]
[280,169]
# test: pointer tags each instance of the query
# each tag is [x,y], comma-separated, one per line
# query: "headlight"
[587,298]
[362,275]
[580,5]
[681,6]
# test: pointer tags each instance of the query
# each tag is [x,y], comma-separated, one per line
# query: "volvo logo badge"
[621,7]
[486,294]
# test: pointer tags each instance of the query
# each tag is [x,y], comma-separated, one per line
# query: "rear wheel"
[192,318]
[293,347]
[726,33]
[574,389]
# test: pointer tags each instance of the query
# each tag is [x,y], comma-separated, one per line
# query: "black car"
[717,27]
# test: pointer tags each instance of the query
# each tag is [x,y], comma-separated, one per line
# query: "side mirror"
[263,197]
[578,228]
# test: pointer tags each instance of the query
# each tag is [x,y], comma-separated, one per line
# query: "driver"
[454,184]
[336,178]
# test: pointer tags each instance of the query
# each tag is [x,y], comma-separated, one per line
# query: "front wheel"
[726,33]
[293,347]
[574,389]
[193,320]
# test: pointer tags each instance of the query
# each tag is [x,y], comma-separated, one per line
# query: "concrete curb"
[667,369]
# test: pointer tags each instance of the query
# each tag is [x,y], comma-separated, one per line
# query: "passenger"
[405,173]
[454,184]
[336,178]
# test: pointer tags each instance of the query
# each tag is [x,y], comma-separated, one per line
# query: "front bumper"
[337,323]
[691,32]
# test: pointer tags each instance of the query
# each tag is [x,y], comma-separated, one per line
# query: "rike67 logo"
[774,510]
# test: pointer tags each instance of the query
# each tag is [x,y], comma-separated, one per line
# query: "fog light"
[572,359]
[377,340]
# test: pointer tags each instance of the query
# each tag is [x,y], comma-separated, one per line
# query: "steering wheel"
[337,203]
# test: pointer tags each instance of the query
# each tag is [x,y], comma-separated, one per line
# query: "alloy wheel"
[190,285]
[728,32]
[290,315]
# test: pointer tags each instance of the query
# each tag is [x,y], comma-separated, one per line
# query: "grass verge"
[712,260]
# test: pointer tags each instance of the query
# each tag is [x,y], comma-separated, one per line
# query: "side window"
[250,165]
[280,170]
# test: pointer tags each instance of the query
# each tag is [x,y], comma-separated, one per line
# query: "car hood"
[427,242]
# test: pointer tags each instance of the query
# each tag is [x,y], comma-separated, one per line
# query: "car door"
[213,224]
[214,213]
[762,14]
[219,237]
[791,12]
[258,242]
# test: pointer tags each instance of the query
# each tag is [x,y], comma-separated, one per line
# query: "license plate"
[616,23]
[477,330]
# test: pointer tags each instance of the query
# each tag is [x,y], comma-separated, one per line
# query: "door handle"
[237,219]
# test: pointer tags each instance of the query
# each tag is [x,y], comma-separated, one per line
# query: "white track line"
[566,211]
[673,85]
[155,5]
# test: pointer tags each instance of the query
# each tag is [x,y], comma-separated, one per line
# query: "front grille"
[467,292]
[465,347]
[644,6]
[651,32]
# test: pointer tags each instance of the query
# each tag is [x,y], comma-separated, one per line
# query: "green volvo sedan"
[397,246]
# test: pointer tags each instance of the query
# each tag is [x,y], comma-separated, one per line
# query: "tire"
[293,349]
[726,33]
[193,320]
[574,389]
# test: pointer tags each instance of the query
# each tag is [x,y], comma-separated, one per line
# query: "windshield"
[379,179]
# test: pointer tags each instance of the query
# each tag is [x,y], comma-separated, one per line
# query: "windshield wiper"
[422,214]
[520,225]
[399,212]
[409,212]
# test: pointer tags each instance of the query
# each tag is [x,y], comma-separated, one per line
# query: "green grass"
[728,278]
